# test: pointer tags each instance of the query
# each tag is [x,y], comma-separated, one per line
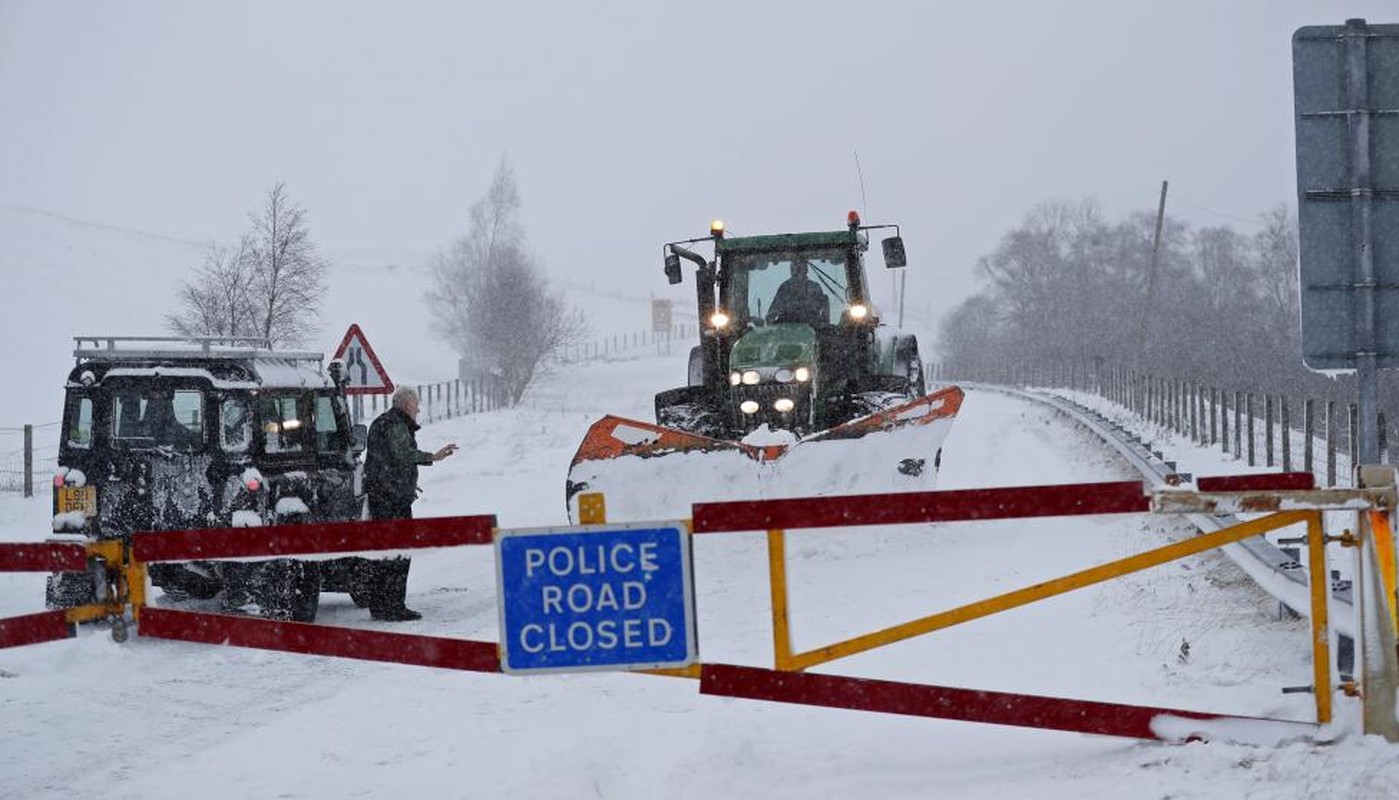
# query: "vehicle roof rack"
[175,348]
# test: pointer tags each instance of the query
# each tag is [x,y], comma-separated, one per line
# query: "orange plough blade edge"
[613,437]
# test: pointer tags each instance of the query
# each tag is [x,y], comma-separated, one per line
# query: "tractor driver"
[800,299]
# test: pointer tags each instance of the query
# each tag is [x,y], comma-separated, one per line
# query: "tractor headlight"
[719,320]
[783,405]
[748,406]
[783,375]
[859,312]
[802,374]
[734,378]
[751,377]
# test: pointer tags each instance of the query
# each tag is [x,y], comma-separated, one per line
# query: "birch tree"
[288,275]
[268,286]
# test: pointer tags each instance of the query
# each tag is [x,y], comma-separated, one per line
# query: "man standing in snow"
[391,462]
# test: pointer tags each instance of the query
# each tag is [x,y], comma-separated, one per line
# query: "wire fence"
[1257,428]
[27,451]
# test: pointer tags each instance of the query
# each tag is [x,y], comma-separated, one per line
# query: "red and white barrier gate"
[316,539]
[789,680]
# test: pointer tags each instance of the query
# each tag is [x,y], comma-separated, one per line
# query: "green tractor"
[791,352]
[790,338]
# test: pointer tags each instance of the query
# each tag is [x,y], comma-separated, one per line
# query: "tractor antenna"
[864,204]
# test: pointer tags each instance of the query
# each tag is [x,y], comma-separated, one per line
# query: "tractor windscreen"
[807,286]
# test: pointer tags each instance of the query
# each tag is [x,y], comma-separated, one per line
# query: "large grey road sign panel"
[1346,82]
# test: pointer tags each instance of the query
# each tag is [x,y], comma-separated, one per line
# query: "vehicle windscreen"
[283,423]
[807,286]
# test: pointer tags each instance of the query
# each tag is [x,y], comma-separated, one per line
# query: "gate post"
[1379,661]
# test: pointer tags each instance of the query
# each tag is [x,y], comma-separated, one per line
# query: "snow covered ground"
[155,719]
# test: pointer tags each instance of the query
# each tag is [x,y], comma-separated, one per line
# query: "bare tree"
[218,300]
[269,286]
[288,276]
[491,301]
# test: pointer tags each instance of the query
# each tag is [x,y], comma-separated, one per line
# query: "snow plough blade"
[648,472]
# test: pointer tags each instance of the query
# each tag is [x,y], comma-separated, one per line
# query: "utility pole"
[1151,276]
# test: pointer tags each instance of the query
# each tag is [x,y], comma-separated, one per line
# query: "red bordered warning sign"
[363,372]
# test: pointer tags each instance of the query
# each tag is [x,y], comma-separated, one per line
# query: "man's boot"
[390,588]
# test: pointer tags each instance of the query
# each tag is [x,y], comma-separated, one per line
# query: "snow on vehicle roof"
[269,372]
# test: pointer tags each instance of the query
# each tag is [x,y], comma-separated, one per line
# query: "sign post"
[661,315]
[596,597]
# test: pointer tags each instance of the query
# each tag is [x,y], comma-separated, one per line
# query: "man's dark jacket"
[392,457]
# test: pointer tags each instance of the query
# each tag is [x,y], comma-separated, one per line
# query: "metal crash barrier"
[1282,500]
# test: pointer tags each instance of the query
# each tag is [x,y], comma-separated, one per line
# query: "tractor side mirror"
[360,434]
[894,256]
[672,268]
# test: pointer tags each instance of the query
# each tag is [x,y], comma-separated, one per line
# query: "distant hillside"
[65,277]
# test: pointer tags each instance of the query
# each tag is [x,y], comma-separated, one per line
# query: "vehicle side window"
[189,411]
[282,423]
[235,424]
[163,417]
[80,422]
[329,437]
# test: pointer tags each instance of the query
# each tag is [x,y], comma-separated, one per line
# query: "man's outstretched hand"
[446,450]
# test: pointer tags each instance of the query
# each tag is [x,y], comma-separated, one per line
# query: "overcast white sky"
[631,124]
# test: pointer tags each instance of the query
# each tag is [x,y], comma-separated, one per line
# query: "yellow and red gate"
[789,679]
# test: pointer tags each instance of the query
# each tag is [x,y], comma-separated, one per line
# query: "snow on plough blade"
[647,472]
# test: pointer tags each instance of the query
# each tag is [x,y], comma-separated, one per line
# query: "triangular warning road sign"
[363,372]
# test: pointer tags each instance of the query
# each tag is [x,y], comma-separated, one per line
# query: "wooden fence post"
[1224,424]
[1268,427]
[1308,433]
[1286,437]
[1238,424]
[1193,394]
[1214,416]
[1248,414]
[1352,428]
[1384,439]
[1330,442]
[28,460]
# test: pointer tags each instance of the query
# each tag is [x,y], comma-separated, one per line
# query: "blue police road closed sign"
[596,597]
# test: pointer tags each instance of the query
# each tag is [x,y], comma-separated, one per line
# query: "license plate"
[78,498]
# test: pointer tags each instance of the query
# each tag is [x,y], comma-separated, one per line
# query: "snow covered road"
[153,719]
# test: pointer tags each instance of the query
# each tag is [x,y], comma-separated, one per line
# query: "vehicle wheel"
[182,581]
[692,417]
[70,589]
[289,589]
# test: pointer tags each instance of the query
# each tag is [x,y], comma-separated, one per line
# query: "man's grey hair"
[402,395]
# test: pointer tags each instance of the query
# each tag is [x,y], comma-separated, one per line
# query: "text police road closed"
[595,599]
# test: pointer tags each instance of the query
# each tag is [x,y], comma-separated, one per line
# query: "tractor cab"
[790,339]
